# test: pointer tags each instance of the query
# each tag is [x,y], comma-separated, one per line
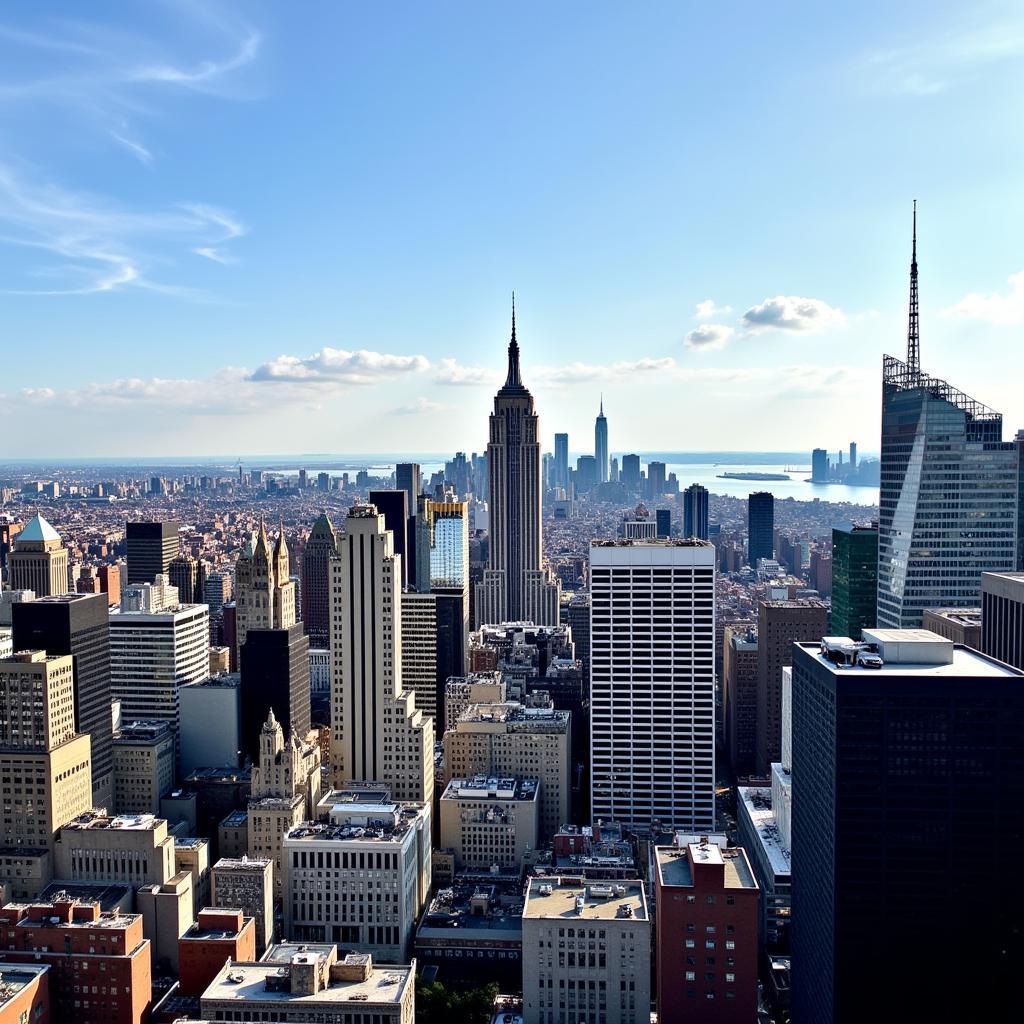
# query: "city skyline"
[165,205]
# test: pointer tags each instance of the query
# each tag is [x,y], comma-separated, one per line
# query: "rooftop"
[757,805]
[570,898]
[37,529]
[243,863]
[512,711]
[99,819]
[236,819]
[268,982]
[961,616]
[484,787]
[674,864]
[647,542]
[475,907]
[14,977]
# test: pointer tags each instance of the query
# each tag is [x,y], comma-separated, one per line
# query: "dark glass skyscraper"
[760,526]
[907,825]
[695,512]
[601,445]
[395,509]
[854,579]
[151,547]
[631,472]
[275,675]
[950,497]
[77,624]
[407,478]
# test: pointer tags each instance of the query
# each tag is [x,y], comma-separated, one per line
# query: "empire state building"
[515,587]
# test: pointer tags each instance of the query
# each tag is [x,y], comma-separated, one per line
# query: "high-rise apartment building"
[906,816]
[779,625]
[320,548]
[264,589]
[1002,616]
[77,624]
[38,560]
[561,460]
[515,586]
[652,682]
[601,445]
[45,771]
[153,653]
[760,526]
[377,732]
[695,512]
[274,677]
[950,497]
[151,547]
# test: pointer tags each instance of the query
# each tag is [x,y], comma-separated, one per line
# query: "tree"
[438,1004]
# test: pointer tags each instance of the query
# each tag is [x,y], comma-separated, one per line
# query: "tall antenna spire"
[514,379]
[601,413]
[914,327]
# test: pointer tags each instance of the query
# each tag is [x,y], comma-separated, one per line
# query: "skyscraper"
[652,671]
[760,526]
[38,560]
[151,547]
[561,460]
[186,573]
[44,766]
[1002,616]
[819,466]
[780,623]
[408,479]
[77,624]
[515,586]
[695,512]
[631,472]
[950,497]
[321,546]
[377,732]
[395,508]
[275,677]
[601,445]
[906,817]
[656,479]
[264,590]
[854,579]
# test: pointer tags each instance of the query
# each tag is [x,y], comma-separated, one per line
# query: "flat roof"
[499,789]
[965,662]
[117,822]
[552,898]
[247,982]
[674,864]
[756,805]
[16,977]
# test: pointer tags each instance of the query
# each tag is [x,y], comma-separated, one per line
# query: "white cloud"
[205,72]
[792,313]
[708,337]
[137,149]
[707,310]
[338,366]
[452,373]
[1002,310]
[576,373]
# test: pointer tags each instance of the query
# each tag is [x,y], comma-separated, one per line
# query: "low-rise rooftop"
[99,819]
[757,806]
[490,787]
[571,898]
[474,907]
[676,864]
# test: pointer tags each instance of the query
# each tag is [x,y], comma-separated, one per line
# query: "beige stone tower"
[264,593]
[39,560]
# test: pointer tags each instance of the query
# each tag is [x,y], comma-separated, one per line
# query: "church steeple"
[514,378]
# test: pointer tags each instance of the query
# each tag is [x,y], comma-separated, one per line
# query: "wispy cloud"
[102,246]
[203,75]
[418,407]
[338,366]
[452,373]
[137,149]
[1001,309]
[708,337]
[939,61]
[578,373]
[792,313]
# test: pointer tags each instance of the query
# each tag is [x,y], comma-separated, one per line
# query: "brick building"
[219,934]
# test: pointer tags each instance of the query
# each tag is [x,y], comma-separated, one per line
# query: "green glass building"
[854,579]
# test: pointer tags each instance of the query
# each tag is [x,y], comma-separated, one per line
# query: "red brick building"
[707,906]
[99,962]
[218,935]
[24,993]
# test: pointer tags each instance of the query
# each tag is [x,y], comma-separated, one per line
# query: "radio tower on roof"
[914,327]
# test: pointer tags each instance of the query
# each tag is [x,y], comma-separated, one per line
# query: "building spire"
[514,379]
[913,326]
[601,413]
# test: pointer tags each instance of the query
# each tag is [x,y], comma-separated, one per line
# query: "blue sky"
[274,227]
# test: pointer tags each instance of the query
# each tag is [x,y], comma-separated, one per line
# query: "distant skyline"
[225,228]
